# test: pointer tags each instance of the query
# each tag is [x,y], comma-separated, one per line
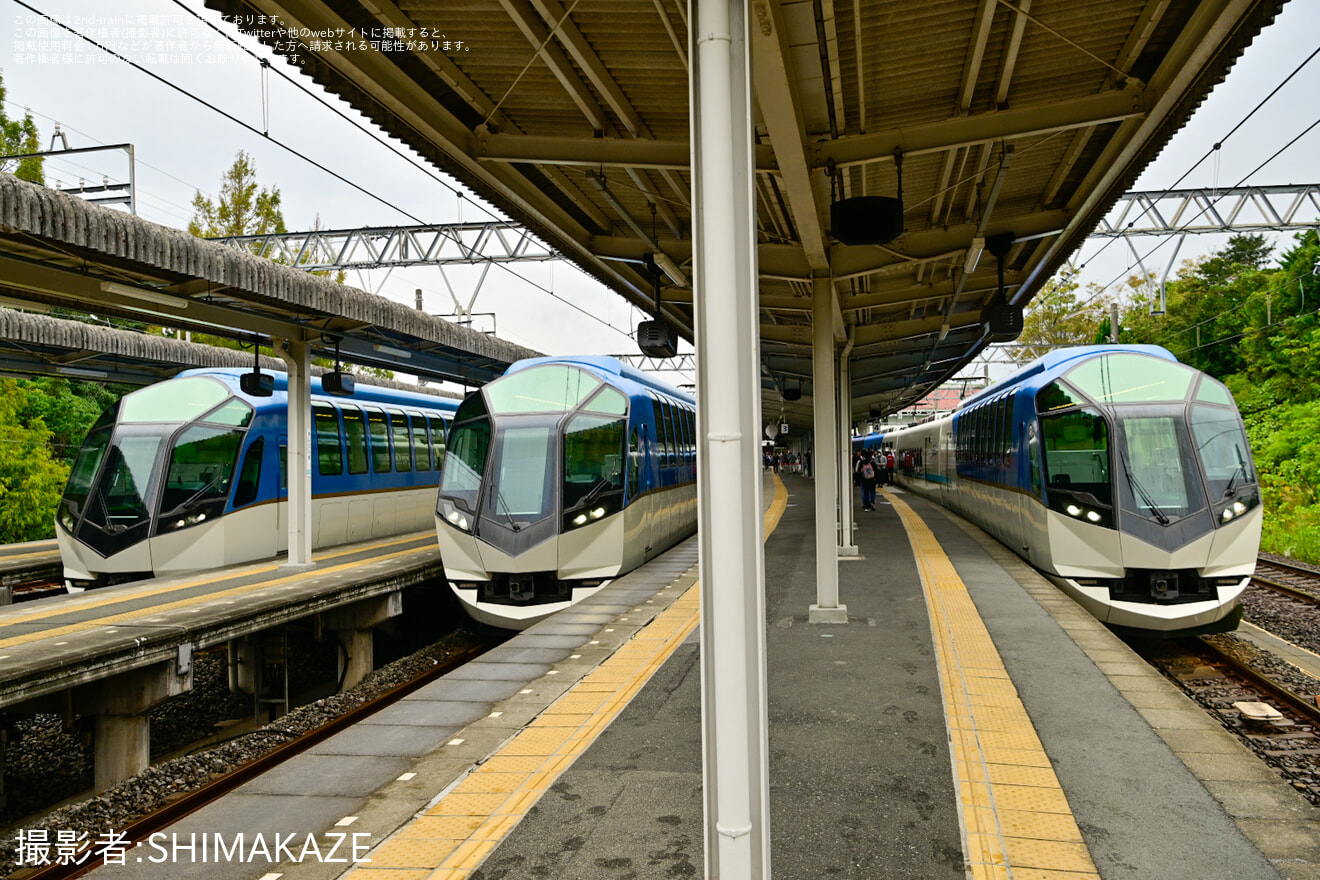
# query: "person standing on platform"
[889,467]
[868,474]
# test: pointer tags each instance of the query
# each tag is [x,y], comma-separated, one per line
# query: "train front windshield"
[545,437]
[165,453]
[1163,440]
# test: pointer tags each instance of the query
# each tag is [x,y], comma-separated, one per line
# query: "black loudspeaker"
[257,384]
[338,384]
[791,391]
[1005,322]
[867,220]
[657,339]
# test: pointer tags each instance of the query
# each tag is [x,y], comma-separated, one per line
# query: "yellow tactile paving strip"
[456,834]
[1016,821]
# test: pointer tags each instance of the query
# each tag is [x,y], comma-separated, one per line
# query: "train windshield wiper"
[504,507]
[600,484]
[1160,515]
[1231,489]
[187,502]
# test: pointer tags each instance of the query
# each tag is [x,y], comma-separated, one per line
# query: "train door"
[282,498]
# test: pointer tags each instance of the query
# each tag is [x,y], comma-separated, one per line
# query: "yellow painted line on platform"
[452,838]
[6,557]
[1016,819]
[130,616]
[58,608]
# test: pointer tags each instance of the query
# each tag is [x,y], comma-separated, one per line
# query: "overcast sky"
[182,147]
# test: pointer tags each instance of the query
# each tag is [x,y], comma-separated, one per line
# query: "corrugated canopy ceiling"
[1019,121]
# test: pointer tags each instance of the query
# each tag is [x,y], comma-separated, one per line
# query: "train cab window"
[402,441]
[465,460]
[438,430]
[1156,460]
[378,430]
[1222,446]
[593,468]
[1076,446]
[329,453]
[182,400]
[1126,377]
[1214,392]
[249,476]
[610,401]
[124,483]
[234,412]
[549,388]
[355,439]
[90,455]
[1055,396]
[421,448]
[199,474]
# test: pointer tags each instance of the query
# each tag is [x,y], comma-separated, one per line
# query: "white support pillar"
[297,361]
[735,741]
[827,608]
[847,544]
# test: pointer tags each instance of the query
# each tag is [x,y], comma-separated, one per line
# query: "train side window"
[329,454]
[671,430]
[402,441]
[634,466]
[438,429]
[420,447]
[355,435]
[379,431]
[249,476]
[1033,457]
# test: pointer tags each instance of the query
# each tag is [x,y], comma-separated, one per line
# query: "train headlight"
[1093,516]
[1227,514]
[1239,508]
[597,513]
[452,515]
[1073,510]
[580,519]
[67,520]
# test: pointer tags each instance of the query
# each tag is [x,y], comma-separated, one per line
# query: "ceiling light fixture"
[974,251]
[151,296]
[667,265]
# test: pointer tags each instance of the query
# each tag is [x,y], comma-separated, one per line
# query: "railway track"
[1300,582]
[178,806]
[1277,719]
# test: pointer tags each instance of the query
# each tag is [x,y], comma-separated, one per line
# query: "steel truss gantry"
[393,247]
[1237,209]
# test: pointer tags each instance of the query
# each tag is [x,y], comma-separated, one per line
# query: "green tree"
[244,208]
[31,481]
[67,409]
[19,136]
[1057,317]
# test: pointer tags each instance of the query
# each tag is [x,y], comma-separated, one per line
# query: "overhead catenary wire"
[1199,214]
[303,156]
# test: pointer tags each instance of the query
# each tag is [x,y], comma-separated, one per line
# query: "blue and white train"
[562,474]
[1120,473]
[190,473]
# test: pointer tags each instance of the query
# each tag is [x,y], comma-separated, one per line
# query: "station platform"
[969,720]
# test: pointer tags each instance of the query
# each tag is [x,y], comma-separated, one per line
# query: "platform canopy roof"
[1022,119]
[59,252]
